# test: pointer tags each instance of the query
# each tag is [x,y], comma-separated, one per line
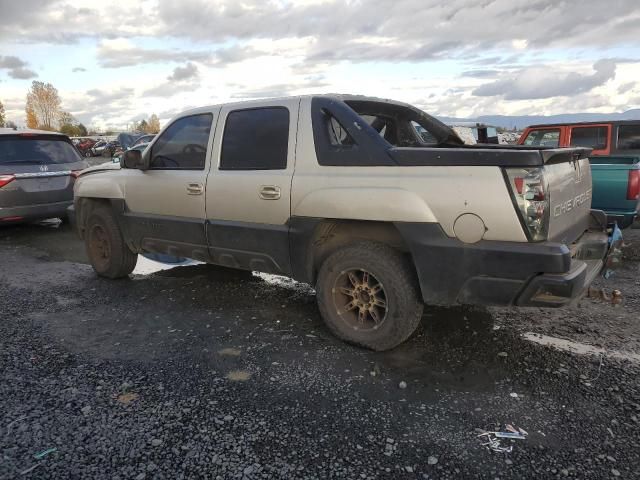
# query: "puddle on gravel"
[230,352]
[146,266]
[577,347]
[238,375]
[285,282]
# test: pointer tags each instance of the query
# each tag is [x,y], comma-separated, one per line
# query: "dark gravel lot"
[200,372]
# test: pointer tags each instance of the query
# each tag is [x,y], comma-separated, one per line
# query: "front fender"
[98,185]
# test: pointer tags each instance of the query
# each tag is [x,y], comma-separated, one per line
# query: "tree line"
[44,112]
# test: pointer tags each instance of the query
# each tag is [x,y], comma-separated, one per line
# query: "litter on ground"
[492,438]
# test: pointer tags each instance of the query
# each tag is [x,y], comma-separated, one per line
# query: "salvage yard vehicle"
[476,132]
[110,148]
[143,139]
[84,146]
[97,148]
[345,193]
[615,161]
[37,174]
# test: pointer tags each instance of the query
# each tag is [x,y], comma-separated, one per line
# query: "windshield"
[40,150]
[543,138]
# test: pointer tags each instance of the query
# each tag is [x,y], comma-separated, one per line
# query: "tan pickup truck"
[378,205]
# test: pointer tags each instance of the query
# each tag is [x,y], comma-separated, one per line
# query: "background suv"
[37,173]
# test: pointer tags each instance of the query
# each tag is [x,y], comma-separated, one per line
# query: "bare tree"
[153,125]
[43,105]
[1,115]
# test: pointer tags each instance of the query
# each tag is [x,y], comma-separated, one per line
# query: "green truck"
[615,161]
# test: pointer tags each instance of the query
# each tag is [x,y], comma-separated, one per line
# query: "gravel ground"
[201,372]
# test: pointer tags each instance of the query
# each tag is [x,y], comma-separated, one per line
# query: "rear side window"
[425,135]
[543,138]
[183,145]
[629,137]
[338,135]
[256,139]
[28,150]
[590,137]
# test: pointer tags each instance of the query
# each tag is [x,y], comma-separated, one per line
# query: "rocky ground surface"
[200,372]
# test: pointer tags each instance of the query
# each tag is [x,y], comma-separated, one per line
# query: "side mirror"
[132,159]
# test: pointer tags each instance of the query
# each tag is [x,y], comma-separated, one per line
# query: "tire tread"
[398,271]
[123,260]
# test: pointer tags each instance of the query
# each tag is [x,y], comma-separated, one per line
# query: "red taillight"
[5,179]
[11,219]
[519,183]
[528,187]
[633,189]
[75,173]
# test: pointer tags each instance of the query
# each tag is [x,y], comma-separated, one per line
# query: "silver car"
[37,173]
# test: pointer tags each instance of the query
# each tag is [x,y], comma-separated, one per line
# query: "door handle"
[269,192]
[195,189]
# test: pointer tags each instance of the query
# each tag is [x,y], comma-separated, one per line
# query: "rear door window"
[183,145]
[595,137]
[36,150]
[425,135]
[543,138]
[338,135]
[629,137]
[256,139]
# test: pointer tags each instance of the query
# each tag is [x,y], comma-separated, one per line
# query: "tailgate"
[37,189]
[568,176]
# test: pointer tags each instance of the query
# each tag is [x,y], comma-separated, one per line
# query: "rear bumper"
[507,273]
[33,212]
[601,255]
[623,219]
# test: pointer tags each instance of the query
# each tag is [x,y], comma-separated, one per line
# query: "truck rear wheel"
[367,296]
[107,251]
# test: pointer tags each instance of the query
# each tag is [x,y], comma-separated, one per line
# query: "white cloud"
[16,68]
[545,82]
[460,57]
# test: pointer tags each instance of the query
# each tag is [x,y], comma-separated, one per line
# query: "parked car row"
[90,147]
[103,148]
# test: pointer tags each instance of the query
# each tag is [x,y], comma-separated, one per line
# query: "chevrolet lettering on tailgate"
[569,205]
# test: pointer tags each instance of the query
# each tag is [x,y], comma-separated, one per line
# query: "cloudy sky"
[116,61]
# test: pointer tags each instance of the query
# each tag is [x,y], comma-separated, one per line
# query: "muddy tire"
[367,294]
[107,251]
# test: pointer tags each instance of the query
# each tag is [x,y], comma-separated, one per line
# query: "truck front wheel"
[367,296]
[107,251]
